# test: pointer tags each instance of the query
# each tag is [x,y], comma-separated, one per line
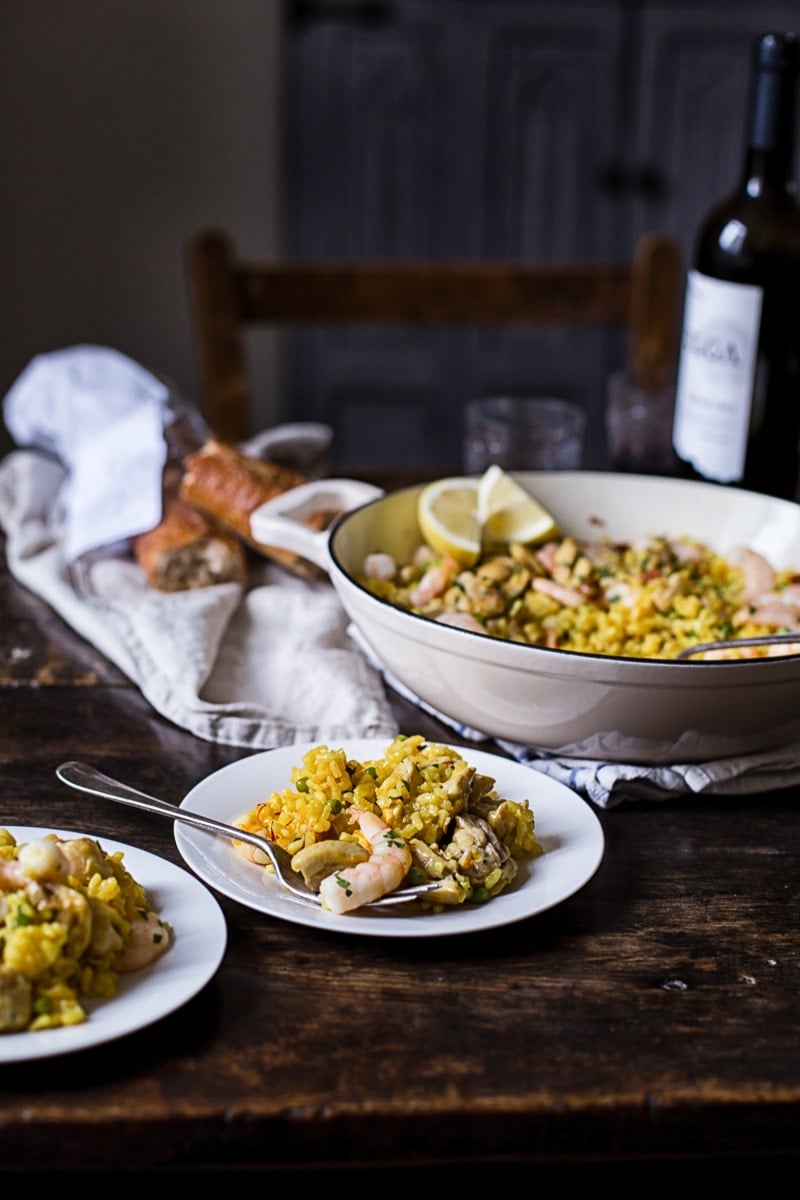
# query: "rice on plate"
[72,918]
[421,806]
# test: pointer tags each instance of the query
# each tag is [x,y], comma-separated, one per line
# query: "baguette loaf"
[228,486]
[187,550]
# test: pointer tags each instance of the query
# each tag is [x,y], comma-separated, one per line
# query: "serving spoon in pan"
[88,779]
[763,639]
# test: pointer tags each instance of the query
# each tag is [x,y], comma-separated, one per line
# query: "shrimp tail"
[383,871]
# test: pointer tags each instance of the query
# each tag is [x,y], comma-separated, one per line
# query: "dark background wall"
[511,129]
[126,126]
[450,128]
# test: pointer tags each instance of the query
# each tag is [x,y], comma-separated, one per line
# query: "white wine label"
[716,376]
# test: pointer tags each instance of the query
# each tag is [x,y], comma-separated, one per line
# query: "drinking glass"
[639,426]
[523,433]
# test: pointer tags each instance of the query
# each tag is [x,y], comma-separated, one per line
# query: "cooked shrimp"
[569,597]
[546,556]
[790,595]
[461,620]
[12,875]
[380,566]
[150,938]
[686,551]
[434,582]
[775,609]
[757,574]
[383,871]
[52,860]
[771,613]
[617,592]
[41,859]
[253,854]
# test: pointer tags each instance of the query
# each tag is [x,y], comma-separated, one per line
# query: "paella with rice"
[649,599]
[72,919]
[420,812]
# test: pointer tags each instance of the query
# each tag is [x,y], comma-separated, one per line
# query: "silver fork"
[89,779]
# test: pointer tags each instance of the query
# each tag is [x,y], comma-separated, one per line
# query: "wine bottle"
[737,404]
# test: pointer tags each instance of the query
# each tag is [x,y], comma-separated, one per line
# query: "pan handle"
[279,522]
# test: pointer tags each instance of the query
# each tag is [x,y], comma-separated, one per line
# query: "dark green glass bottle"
[737,411]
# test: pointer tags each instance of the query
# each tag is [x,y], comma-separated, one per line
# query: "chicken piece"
[489,590]
[410,772]
[428,860]
[478,853]
[459,785]
[319,860]
[455,889]
[72,911]
[481,793]
[53,904]
[105,938]
[84,858]
[500,815]
[16,1001]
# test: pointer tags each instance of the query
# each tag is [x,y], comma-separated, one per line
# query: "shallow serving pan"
[578,705]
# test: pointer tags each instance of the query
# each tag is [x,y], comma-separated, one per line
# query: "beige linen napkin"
[258,668]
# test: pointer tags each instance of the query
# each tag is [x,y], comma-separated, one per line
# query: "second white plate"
[566,827]
[147,995]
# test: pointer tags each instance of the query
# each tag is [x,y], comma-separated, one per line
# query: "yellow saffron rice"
[416,787]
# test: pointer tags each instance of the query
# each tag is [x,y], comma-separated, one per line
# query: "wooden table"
[652,1018]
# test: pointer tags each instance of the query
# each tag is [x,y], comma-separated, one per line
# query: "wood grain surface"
[650,1020]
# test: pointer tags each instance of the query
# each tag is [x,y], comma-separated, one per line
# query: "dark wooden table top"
[650,1019]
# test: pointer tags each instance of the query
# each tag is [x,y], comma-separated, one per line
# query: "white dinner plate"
[147,995]
[565,826]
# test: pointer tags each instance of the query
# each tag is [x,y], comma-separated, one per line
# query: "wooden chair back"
[228,295]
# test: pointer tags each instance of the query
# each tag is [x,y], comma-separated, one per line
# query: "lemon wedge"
[447,514]
[507,512]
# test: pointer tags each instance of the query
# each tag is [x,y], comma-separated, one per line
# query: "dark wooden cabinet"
[494,129]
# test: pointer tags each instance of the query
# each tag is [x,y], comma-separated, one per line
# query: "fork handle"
[88,779]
